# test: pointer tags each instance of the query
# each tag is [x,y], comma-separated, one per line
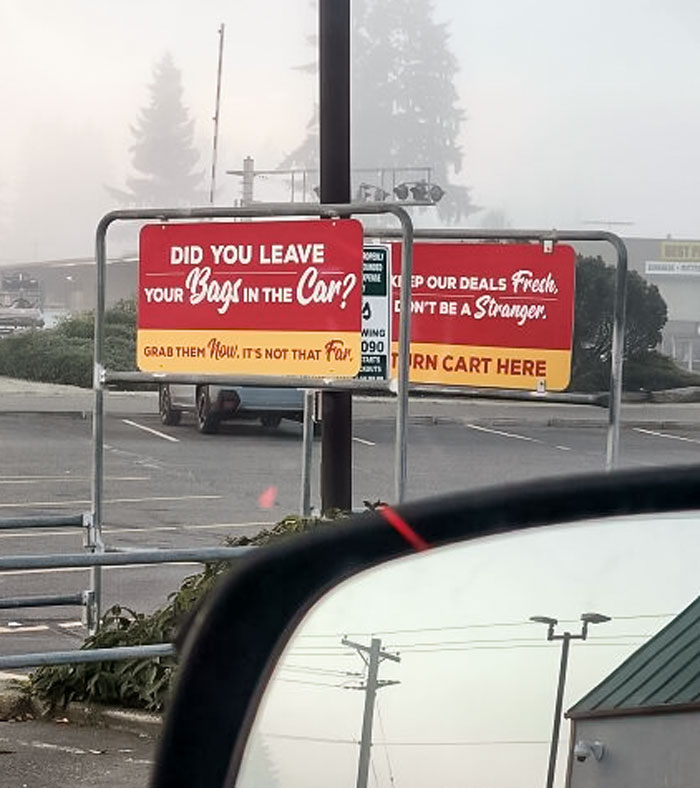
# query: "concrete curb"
[16,704]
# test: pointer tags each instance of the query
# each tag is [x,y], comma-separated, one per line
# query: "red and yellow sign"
[497,315]
[258,298]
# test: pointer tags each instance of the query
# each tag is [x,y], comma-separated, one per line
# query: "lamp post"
[566,638]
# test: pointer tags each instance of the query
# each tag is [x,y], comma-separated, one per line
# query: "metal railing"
[83,560]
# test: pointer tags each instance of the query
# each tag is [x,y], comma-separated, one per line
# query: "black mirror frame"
[236,639]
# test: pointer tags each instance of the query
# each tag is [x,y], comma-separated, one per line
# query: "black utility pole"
[334,93]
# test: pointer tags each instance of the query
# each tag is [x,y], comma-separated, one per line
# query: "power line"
[321,671]
[418,649]
[452,743]
[386,751]
[316,739]
[483,625]
[312,683]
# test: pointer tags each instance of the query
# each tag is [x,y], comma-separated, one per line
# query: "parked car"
[214,404]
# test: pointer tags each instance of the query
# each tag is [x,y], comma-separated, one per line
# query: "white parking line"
[666,435]
[20,630]
[112,500]
[515,436]
[152,431]
[147,529]
[67,478]
[363,441]
[502,434]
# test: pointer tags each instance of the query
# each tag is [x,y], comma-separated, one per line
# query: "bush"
[145,683]
[64,354]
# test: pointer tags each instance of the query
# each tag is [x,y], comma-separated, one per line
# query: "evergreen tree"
[163,154]
[404,106]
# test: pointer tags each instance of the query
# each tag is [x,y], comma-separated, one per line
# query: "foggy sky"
[575,111]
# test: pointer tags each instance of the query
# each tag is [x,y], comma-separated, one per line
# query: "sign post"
[334,153]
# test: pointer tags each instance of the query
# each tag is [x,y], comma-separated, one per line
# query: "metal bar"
[37,659]
[307,452]
[274,381]
[617,354]
[217,105]
[86,560]
[612,454]
[41,601]
[403,365]
[98,417]
[58,521]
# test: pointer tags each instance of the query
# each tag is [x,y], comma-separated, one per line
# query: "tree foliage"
[163,153]
[594,316]
[405,109]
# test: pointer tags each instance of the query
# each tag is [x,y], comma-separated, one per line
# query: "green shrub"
[64,354]
[144,683]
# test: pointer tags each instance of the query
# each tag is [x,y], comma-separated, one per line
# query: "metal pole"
[368,715]
[215,143]
[558,704]
[307,452]
[403,363]
[617,355]
[98,417]
[334,142]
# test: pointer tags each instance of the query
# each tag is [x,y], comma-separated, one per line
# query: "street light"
[566,638]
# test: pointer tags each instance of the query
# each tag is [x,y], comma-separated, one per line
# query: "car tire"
[168,415]
[271,420]
[207,420]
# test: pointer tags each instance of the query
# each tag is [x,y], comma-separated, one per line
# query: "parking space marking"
[64,479]
[502,433]
[666,435]
[155,498]
[151,430]
[136,529]
[363,441]
[515,436]
[22,629]
[142,529]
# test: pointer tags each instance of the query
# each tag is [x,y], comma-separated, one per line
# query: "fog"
[574,112]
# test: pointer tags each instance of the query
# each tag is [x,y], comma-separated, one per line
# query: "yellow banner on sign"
[508,368]
[317,353]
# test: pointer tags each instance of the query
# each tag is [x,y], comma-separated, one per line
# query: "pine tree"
[405,111]
[163,154]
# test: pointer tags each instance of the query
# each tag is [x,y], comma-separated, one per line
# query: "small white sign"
[376,315]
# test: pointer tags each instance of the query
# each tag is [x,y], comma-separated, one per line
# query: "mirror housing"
[236,638]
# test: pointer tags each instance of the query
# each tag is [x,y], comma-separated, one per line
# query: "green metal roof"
[664,674]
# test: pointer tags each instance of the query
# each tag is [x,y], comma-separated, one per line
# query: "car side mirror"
[498,560]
